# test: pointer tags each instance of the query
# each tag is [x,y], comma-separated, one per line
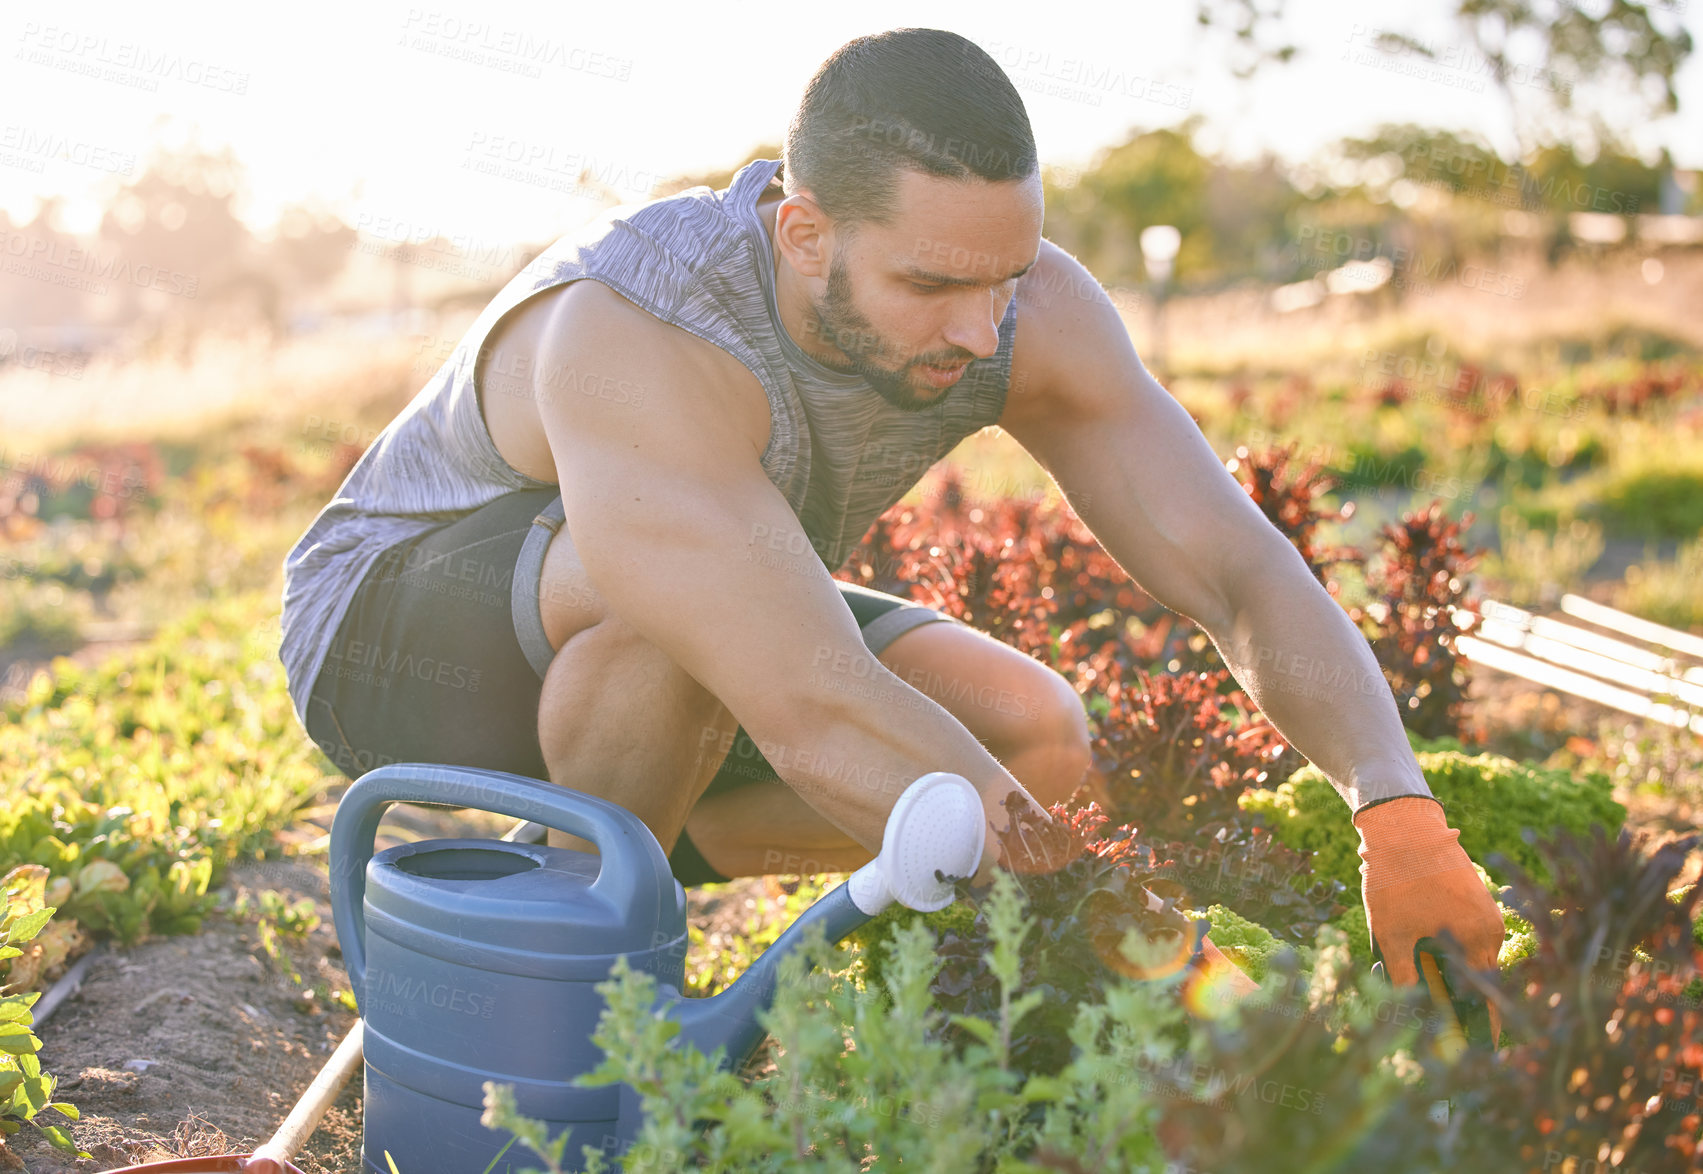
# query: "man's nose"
[975,327]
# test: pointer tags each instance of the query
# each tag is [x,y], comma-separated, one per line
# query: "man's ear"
[802,232]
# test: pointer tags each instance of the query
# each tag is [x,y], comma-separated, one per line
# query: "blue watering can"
[475,960]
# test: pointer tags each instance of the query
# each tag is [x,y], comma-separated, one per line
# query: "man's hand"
[1417,881]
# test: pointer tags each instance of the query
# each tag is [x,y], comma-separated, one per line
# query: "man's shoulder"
[591,309]
[591,304]
[1060,306]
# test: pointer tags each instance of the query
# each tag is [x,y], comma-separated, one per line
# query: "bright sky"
[471,118]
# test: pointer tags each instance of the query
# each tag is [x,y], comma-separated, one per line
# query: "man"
[597,546]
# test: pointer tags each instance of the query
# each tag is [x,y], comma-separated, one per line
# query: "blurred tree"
[172,233]
[185,263]
[1557,178]
[1253,27]
[309,249]
[1620,48]
[1616,44]
[1426,156]
[48,288]
[1248,210]
[1157,177]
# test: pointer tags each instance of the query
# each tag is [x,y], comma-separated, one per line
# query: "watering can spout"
[934,833]
[730,1019]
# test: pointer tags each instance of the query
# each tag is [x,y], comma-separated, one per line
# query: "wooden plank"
[1621,650]
[1652,633]
[1563,680]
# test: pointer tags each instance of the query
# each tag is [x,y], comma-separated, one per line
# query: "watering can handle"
[633,873]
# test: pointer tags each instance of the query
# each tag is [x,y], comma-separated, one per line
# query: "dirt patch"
[196,1045]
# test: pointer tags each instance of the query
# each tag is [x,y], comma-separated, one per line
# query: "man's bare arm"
[1139,473]
[687,541]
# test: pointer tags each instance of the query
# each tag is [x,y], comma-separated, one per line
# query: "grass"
[1533,566]
[1668,592]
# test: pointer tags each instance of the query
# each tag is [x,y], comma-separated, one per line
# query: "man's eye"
[925,288]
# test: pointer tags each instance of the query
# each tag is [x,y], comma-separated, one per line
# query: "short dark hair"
[914,99]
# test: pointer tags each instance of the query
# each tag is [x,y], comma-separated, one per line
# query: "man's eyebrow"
[944,279]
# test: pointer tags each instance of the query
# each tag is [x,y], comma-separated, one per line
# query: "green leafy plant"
[860,1078]
[1325,1069]
[25,1090]
[136,781]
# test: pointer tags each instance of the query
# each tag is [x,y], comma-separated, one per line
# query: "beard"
[839,323]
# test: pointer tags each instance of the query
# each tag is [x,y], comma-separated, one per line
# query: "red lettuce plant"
[1421,584]
[1603,1071]
[1607,1063]
[1176,751]
[1288,492]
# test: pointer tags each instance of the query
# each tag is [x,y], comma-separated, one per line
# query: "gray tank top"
[701,260]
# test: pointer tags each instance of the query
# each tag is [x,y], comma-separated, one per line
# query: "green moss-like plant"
[1248,944]
[1494,801]
[874,939]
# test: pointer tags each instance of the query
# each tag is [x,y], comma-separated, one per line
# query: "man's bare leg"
[1026,715]
[620,721]
[617,718]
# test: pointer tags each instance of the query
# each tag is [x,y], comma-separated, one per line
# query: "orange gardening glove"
[1416,882]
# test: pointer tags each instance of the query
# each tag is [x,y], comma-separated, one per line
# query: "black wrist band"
[1393,798]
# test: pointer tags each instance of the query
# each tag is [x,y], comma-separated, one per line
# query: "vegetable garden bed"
[176,810]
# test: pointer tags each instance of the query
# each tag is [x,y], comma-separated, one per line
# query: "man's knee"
[1044,737]
[613,656]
